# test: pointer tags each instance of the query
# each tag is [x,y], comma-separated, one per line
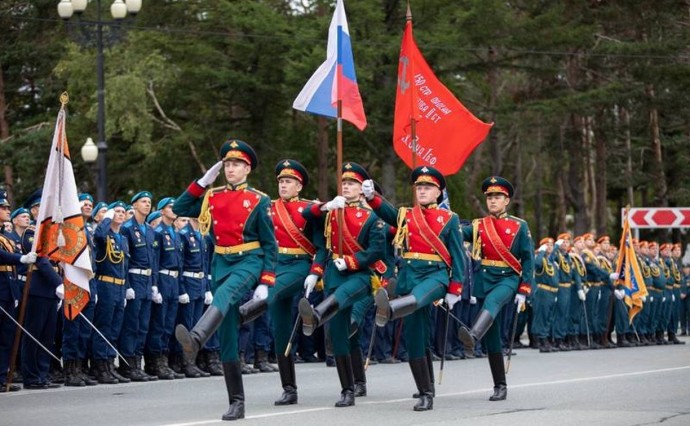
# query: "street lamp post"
[119,10]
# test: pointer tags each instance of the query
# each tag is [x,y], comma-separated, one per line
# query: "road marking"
[445,395]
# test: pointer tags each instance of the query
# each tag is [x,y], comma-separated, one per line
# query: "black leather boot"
[286,366]
[233,383]
[387,310]
[261,362]
[430,366]
[113,372]
[88,381]
[72,378]
[344,366]
[252,310]
[192,341]
[103,374]
[481,325]
[213,363]
[422,378]
[314,317]
[498,373]
[131,371]
[673,339]
[358,372]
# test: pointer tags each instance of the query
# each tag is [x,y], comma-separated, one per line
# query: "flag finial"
[408,15]
[64,98]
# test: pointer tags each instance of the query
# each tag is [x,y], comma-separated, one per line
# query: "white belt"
[138,271]
[21,278]
[197,275]
[173,274]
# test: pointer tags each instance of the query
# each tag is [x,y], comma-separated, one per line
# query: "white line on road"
[445,395]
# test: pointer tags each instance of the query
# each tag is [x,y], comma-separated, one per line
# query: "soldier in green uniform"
[503,245]
[642,320]
[355,247]
[669,322]
[544,298]
[567,278]
[606,302]
[660,280]
[239,218]
[433,268]
[301,256]
[577,329]
[596,279]
[678,292]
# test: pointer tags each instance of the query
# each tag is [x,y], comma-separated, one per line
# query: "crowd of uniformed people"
[224,281]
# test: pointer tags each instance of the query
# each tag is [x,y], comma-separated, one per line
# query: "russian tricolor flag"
[335,79]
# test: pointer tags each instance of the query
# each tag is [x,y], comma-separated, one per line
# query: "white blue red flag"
[335,79]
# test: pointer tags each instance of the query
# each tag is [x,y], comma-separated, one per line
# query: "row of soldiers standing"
[579,301]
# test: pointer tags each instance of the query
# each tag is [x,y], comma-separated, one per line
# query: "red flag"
[446,131]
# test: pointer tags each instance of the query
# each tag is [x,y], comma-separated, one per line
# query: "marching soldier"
[545,295]
[141,244]
[245,257]
[503,245]
[301,256]
[356,247]
[9,292]
[434,266]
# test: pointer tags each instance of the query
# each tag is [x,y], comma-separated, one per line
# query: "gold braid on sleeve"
[327,231]
[476,241]
[401,234]
[205,215]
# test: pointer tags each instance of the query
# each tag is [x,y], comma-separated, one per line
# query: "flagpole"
[339,139]
[413,122]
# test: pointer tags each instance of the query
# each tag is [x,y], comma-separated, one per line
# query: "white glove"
[644,299]
[581,295]
[261,292]
[60,291]
[59,305]
[451,300]
[129,294]
[208,298]
[473,300]
[157,298]
[368,189]
[542,248]
[520,300]
[651,299]
[309,284]
[183,298]
[28,258]
[109,214]
[16,303]
[154,290]
[614,276]
[125,304]
[95,299]
[211,175]
[620,294]
[663,299]
[336,203]
[673,298]
[340,264]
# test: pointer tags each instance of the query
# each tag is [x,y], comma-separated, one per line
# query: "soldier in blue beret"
[33,202]
[348,271]
[503,245]
[434,268]
[10,293]
[138,287]
[245,256]
[97,213]
[154,218]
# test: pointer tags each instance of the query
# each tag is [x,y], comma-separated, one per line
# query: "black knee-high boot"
[286,366]
[498,372]
[232,371]
[343,364]
[314,317]
[192,341]
[481,325]
[422,378]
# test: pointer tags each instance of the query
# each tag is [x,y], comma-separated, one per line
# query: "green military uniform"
[577,329]
[659,281]
[644,318]
[356,246]
[433,266]
[596,279]
[238,217]
[503,245]
[565,277]
[544,298]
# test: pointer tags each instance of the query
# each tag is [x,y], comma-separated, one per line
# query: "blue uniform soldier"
[503,245]
[245,257]
[142,265]
[110,255]
[10,294]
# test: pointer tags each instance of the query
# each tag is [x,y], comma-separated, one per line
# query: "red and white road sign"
[659,217]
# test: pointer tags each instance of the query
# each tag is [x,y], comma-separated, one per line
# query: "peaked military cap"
[153,216]
[34,199]
[603,239]
[239,150]
[17,212]
[3,199]
[497,185]
[85,196]
[546,240]
[293,169]
[140,195]
[354,171]
[115,204]
[165,202]
[427,175]
[98,207]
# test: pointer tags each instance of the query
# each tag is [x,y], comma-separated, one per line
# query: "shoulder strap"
[501,248]
[292,229]
[352,246]
[430,236]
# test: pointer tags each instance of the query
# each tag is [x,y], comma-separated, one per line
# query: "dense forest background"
[589,98]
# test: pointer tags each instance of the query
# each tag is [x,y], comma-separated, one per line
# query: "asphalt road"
[637,386]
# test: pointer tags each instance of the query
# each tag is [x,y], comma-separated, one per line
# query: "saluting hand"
[211,174]
[368,189]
